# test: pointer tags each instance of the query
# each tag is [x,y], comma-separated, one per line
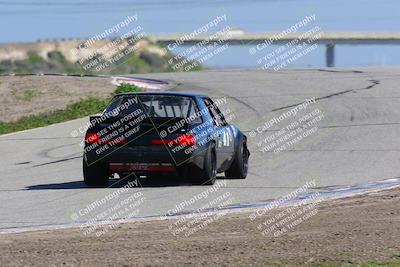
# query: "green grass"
[367,264]
[56,62]
[34,58]
[127,88]
[76,110]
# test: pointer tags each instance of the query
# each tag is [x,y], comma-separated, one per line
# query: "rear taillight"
[181,140]
[161,141]
[186,140]
[92,138]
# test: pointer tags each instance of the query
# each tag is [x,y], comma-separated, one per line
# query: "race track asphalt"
[356,142]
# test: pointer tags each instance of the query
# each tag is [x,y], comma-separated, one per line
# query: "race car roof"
[165,93]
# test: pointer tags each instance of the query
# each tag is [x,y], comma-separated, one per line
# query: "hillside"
[118,56]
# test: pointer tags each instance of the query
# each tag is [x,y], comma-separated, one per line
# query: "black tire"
[95,174]
[240,164]
[207,175]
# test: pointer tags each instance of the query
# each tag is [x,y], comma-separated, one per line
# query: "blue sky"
[30,20]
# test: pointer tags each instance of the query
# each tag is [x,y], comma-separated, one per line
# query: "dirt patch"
[351,230]
[32,95]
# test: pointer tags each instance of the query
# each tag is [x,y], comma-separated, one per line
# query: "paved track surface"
[357,142]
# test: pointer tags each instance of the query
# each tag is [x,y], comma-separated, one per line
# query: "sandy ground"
[28,95]
[350,230]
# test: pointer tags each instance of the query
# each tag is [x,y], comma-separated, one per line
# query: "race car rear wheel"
[208,174]
[239,166]
[95,174]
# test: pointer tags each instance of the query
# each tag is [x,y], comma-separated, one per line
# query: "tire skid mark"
[222,94]
[45,152]
[373,82]
[57,161]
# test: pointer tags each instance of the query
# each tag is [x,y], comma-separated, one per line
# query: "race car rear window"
[155,106]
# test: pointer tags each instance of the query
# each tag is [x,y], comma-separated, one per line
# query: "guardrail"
[143,83]
[329,39]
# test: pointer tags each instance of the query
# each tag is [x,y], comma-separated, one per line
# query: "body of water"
[30,20]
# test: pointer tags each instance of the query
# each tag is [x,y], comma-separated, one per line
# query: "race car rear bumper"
[156,155]
[142,167]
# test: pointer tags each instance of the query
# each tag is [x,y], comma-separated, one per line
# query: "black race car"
[163,133]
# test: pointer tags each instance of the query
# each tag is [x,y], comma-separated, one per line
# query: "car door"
[223,133]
